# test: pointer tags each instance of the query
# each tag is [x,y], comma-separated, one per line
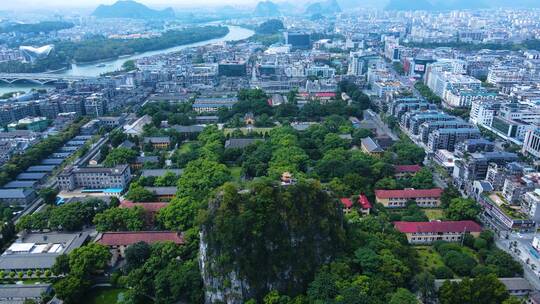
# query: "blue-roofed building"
[68,149]
[75,143]
[17,197]
[82,137]
[35,176]
[61,154]
[48,168]
[20,184]
[52,161]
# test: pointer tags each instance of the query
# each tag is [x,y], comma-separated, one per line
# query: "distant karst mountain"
[325,7]
[131,9]
[267,9]
[439,5]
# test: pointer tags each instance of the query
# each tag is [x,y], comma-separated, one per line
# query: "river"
[235,33]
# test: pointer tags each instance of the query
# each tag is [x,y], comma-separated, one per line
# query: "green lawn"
[103,295]
[434,213]
[429,258]
[236,173]
[185,147]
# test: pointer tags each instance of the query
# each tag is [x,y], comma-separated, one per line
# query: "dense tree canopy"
[249,229]
[120,219]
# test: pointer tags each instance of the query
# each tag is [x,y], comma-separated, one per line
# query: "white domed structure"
[32,54]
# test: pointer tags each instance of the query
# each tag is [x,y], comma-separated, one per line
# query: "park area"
[105,295]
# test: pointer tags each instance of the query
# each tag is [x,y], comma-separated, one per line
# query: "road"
[370,115]
[521,252]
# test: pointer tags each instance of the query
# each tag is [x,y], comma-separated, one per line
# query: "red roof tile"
[408,193]
[325,94]
[436,226]
[347,203]
[407,168]
[364,202]
[148,207]
[129,238]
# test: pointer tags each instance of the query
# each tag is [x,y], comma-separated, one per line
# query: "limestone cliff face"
[220,287]
[267,237]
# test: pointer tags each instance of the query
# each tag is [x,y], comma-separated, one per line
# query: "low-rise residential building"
[363,204]
[445,159]
[136,127]
[212,105]
[240,143]
[160,172]
[17,197]
[94,177]
[428,232]
[516,287]
[369,146]
[403,171]
[119,241]
[163,142]
[150,209]
[398,198]
[20,294]
[38,251]
[163,194]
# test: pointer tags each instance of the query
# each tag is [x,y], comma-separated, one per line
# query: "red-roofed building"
[150,209]
[428,198]
[363,202]
[402,171]
[119,241]
[429,232]
[364,206]
[347,204]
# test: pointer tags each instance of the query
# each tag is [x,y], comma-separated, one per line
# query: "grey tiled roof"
[240,143]
[371,145]
[162,190]
[13,292]
[160,172]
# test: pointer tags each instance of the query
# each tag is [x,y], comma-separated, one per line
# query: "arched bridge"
[39,78]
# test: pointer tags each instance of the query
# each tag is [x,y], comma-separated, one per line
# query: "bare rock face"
[219,288]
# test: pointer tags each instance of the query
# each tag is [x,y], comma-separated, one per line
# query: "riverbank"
[167,40]
[236,33]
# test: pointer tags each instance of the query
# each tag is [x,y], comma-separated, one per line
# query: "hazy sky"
[27,4]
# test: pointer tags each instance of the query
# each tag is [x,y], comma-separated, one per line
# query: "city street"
[519,246]
[370,115]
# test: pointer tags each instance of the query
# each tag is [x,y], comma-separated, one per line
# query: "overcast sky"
[27,4]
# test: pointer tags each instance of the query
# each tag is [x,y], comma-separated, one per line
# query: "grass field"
[236,173]
[104,296]
[429,258]
[434,214]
